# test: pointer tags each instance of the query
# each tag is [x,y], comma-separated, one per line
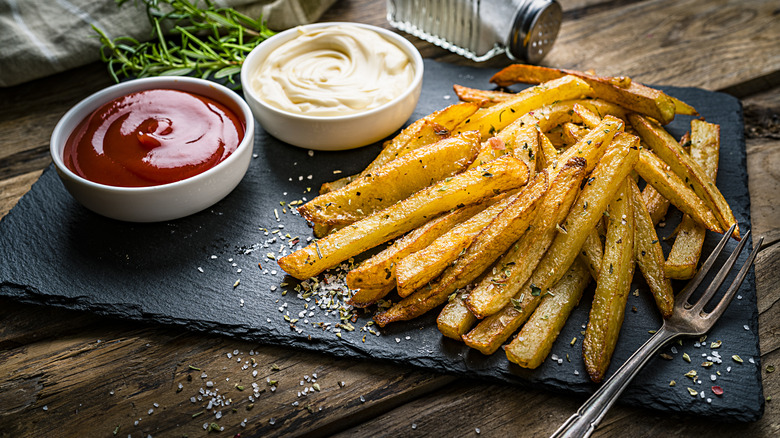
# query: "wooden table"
[64,373]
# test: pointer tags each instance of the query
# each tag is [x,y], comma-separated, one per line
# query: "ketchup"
[152,137]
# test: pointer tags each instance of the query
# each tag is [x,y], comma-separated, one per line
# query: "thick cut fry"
[612,287]
[686,250]
[394,181]
[592,253]
[668,150]
[496,117]
[649,255]
[656,204]
[498,287]
[422,132]
[587,211]
[548,153]
[671,187]
[532,345]
[517,140]
[493,241]
[375,277]
[572,133]
[591,146]
[419,268]
[470,187]
[455,318]
[634,96]
[683,108]
[484,98]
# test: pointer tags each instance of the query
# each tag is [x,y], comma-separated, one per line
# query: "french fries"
[375,277]
[496,290]
[501,209]
[614,166]
[493,241]
[534,341]
[648,254]
[475,185]
[394,181]
[686,250]
[628,94]
[667,149]
[612,285]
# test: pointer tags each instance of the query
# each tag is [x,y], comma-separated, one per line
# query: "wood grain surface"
[66,374]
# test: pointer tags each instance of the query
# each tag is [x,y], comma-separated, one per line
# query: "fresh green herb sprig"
[207,42]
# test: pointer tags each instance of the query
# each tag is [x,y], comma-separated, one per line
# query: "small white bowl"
[332,132]
[162,202]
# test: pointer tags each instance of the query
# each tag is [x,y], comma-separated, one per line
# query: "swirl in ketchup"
[152,137]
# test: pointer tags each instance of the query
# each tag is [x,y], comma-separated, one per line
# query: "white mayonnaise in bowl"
[333,86]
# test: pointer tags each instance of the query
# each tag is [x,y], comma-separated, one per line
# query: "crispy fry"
[686,250]
[612,286]
[592,253]
[613,167]
[505,173]
[496,117]
[532,345]
[517,140]
[484,98]
[498,287]
[394,181]
[572,133]
[375,277]
[683,108]
[649,256]
[668,150]
[419,268]
[631,95]
[669,185]
[455,318]
[422,132]
[548,154]
[493,241]
[656,204]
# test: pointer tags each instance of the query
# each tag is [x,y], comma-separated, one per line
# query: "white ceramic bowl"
[332,132]
[161,202]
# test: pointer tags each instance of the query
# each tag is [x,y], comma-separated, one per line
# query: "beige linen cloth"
[42,37]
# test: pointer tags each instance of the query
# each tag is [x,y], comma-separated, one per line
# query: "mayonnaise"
[333,71]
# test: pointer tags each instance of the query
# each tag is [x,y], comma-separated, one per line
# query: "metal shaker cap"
[535,28]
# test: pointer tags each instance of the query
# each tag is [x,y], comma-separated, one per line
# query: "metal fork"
[687,320]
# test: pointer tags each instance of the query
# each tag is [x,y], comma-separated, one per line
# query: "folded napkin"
[42,37]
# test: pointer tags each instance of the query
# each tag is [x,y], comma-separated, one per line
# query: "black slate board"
[55,252]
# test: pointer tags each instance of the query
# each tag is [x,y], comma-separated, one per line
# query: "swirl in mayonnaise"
[333,71]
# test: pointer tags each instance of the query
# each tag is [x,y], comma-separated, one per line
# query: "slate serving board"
[55,252]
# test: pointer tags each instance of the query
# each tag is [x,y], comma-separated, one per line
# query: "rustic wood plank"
[13,188]
[674,42]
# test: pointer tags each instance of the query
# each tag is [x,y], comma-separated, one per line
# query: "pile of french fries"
[502,208]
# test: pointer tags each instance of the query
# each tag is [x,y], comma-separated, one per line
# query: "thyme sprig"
[207,42]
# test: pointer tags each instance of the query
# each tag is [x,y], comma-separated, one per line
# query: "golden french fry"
[572,133]
[494,118]
[455,318]
[669,185]
[470,187]
[532,345]
[498,287]
[375,277]
[592,252]
[655,202]
[419,268]
[612,286]
[484,98]
[649,255]
[686,250]
[393,181]
[493,241]
[668,150]
[628,94]
[548,153]
[427,130]
[586,212]
[683,108]
[517,140]
[591,146]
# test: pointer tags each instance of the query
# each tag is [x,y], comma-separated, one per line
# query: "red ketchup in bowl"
[152,137]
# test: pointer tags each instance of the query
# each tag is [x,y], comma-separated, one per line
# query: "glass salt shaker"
[480,29]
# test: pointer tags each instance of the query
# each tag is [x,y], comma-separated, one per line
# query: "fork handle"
[590,414]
